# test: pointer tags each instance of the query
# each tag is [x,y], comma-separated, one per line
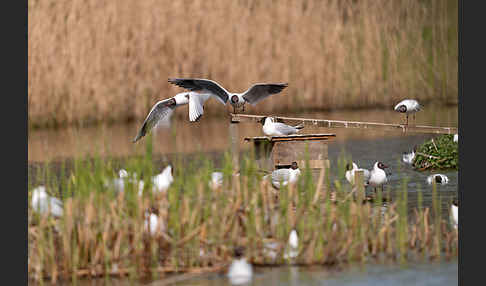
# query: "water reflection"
[208,135]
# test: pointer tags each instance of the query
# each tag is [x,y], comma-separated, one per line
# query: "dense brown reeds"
[100,60]
[103,234]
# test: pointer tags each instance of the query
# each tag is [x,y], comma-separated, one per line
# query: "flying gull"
[253,95]
[162,110]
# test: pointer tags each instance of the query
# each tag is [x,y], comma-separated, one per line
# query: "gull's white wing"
[196,105]
[159,114]
[260,91]
[284,128]
[280,175]
[202,86]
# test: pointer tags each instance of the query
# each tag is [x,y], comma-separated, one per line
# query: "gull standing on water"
[253,95]
[282,177]
[273,128]
[293,246]
[408,106]
[437,178]
[43,203]
[350,173]
[240,271]
[161,112]
[378,175]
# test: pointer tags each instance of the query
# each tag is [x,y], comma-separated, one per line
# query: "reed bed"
[92,61]
[102,233]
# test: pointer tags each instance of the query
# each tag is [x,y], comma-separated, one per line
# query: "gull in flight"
[162,111]
[408,106]
[253,95]
[273,128]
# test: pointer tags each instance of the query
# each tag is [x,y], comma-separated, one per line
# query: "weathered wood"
[235,145]
[348,124]
[359,185]
[295,137]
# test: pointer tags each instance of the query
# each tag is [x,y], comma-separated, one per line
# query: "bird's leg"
[243,107]
[234,109]
[407,120]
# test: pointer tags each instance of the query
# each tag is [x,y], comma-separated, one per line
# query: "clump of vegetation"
[437,154]
[103,233]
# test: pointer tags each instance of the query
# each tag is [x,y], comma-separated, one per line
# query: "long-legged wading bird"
[162,110]
[408,106]
[273,128]
[253,95]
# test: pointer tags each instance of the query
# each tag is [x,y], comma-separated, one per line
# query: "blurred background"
[105,63]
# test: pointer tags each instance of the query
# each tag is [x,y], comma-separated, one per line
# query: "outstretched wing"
[202,86]
[196,105]
[260,91]
[160,112]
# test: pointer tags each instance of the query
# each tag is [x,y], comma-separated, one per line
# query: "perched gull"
[292,249]
[456,138]
[273,128]
[284,176]
[377,175]
[253,95]
[240,271]
[437,178]
[163,180]
[162,110]
[454,212]
[408,106]
[408,157]
[43,203]
[350,173]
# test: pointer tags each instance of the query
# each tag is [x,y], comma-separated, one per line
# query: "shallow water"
[211,136]
[370,275]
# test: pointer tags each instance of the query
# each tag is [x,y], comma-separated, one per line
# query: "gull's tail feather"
[300,126]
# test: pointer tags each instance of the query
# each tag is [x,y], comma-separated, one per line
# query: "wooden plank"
[348,124]
[295,137]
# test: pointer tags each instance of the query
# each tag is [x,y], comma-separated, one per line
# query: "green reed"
[102,232]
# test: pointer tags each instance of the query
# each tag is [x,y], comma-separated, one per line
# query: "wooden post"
[235,144]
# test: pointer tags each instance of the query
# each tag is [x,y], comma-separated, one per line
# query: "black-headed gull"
[253,95]
[153,224]
[455,212]
[438,179]
[407,158]
[161,112]
[240,271]
[273,128]
[377,175]
[408,106]
[292,249]
[43,203]
[350,173]
[163,180]
[282,177]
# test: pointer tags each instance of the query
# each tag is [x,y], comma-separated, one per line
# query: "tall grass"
[109,60]
[102,233]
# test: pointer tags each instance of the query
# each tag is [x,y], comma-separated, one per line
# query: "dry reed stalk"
[85,57]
